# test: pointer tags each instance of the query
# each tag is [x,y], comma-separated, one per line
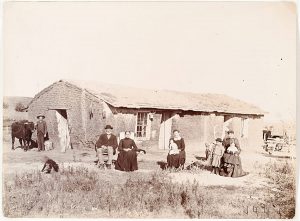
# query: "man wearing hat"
[107,143]
[41,130]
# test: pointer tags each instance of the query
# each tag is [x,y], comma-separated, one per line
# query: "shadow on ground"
[199,164]
[163,165]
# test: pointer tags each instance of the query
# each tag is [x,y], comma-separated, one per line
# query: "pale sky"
[245,50]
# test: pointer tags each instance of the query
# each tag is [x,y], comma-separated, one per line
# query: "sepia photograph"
[149,109]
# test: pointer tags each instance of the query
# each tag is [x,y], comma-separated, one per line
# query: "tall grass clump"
[282,176]
[78,191]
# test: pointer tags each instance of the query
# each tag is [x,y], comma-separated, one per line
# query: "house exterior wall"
[252,139]
[199,129]
[122,122]
[255,130]
[92,118]
[124,119]
[195,128]
[60,96]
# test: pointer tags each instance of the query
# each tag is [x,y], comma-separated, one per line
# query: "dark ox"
[23,131]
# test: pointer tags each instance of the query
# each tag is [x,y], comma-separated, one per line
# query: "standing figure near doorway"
[41,130]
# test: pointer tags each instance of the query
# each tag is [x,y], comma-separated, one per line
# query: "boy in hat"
[41,130]
[107,143]
[217,154]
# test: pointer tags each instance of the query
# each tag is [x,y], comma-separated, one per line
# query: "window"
[141,126]
[244,127]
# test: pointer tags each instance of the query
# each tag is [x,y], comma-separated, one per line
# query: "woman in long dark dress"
[127,157]
[177,160]
[232,164]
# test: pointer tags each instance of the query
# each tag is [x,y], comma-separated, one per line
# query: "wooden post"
[165,131]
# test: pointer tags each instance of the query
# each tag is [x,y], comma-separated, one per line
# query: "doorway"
[63,129]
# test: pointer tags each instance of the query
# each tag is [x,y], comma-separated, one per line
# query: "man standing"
[41,130]
[107,143]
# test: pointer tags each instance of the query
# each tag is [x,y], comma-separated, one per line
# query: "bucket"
[48,145]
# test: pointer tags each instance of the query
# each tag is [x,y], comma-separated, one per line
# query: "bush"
[76,190]
[5,105]
[20,107]
[80,192]
[283,177]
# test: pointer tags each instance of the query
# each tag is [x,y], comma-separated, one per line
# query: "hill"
[9,112]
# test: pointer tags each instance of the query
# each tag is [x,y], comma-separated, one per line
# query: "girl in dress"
[217,154]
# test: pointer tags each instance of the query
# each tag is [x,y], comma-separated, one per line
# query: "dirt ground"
[17,161]
[253,189]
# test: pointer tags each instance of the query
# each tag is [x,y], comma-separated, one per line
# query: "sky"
[246,50]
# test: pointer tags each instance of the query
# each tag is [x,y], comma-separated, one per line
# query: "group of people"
[224,156]
[107,145]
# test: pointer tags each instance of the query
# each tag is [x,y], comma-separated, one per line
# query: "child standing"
[217,154]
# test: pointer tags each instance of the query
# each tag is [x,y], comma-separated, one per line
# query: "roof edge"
[98,96]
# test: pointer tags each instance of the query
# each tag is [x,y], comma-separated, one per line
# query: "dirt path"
[18,161]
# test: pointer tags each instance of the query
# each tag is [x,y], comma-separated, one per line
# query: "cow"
[23,131]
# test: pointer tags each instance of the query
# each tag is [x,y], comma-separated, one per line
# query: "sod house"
[77,111]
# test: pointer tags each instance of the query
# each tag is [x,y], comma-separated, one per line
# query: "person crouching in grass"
[49,164]
[217,154]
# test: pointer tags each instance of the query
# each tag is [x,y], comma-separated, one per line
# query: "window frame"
[146,125]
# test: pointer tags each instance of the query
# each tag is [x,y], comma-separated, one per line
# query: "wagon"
[274,143]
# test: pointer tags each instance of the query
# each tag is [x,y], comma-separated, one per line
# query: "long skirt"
[232,166]
[173,160]
[176,160]
[182,158]
[127,161]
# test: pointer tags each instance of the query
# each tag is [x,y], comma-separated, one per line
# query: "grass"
[283,178]
[80,192]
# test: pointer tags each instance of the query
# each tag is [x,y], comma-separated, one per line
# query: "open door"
[63,130]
